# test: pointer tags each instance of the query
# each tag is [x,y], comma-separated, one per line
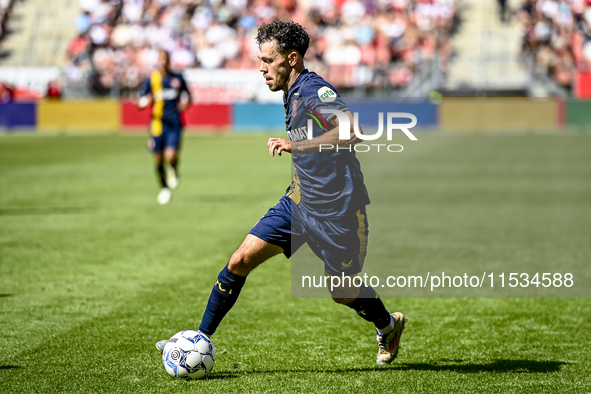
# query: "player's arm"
[331,137]
[185,97]
[144,101]
[145,95]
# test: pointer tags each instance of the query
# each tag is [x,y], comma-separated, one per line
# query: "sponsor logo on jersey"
[299,134]
[167,94]
[326,94]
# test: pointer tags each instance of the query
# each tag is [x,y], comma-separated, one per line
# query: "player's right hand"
[143,102]
[278,144]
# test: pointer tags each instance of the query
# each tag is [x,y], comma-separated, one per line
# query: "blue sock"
[161,175]
[222,298]
[370,307]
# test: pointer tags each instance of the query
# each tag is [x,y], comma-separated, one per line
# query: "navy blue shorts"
[170,138]
[341,243]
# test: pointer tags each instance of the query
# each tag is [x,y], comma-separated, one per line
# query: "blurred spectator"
[5,7]
[372,43]
[557,37]
[503,11]
[6,92]
[54,90]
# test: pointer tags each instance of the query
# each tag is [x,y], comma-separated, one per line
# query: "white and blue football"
[189,355]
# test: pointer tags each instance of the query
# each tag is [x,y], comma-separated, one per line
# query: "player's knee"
[344,295]
[240,263]
[236,261]
[170,155]
[342,301]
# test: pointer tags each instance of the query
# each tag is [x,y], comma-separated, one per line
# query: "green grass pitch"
[93,272]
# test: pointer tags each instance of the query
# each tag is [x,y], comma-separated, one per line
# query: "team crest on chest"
[175,83]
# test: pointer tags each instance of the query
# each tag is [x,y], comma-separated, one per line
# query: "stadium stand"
[487,50]
[557,40]
[370,44]
[39,33]
[5,7]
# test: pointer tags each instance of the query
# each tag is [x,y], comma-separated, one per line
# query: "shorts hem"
[286,251]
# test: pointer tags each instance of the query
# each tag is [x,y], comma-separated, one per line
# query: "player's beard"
[274,88]
[277,83]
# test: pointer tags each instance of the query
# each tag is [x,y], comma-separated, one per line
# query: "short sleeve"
[185,88]
[319,95]
[145,87]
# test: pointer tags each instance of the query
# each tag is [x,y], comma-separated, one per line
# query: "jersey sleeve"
[145,87]
[321,95]
[185,88]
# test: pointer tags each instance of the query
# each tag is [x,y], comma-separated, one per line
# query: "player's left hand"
[144,101]
[278,144]
[183,105]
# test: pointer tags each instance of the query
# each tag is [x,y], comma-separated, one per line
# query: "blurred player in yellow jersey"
[169,96]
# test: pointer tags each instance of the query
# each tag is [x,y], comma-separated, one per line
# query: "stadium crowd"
[373,43]
[557,37]
[5,7]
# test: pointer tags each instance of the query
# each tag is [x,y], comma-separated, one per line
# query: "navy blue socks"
[370,307]
[227,287]
[222,298]
[161,175]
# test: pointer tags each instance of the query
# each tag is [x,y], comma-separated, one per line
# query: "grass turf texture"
[93,272]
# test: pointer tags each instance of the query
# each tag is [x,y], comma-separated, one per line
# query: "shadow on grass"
[43,211]
[6,295]
[501,366]
[507,366]
[9,367]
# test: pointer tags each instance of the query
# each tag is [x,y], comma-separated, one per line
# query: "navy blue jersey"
[166,92]
[327,184]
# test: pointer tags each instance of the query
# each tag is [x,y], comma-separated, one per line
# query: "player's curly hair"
[287,34]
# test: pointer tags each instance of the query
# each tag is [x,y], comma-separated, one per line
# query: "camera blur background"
[399,50]
[393,48]
[93,271]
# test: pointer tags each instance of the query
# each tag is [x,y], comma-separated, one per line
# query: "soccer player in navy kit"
[169,96]
[325,204]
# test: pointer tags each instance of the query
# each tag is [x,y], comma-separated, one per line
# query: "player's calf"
[224,295]
[341,289]
[230,281]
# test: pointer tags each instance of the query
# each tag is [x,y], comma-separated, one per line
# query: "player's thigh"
[156,146]
[252,252]
[341,244]
[270,236]
[280,226]
[172,138]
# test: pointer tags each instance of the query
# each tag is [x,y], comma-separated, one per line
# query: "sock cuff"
[364,293]
[367,292]
[228,277]
[388,328]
